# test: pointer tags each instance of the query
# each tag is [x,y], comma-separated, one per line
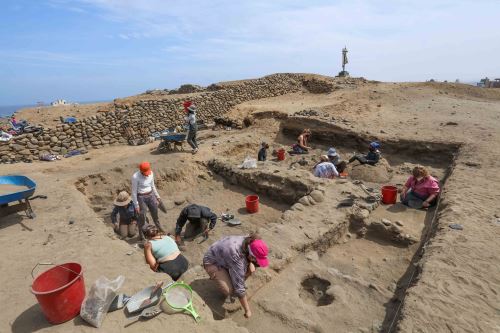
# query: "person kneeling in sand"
[301,146]
[162,254]
[231,260]
[201,220]
[421,189]
[127,225]
[325,169]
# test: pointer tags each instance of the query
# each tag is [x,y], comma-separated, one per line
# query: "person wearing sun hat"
[335,158]
[124,207]
[231,260]
[145,196]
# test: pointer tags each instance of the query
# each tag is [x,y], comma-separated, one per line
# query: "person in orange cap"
[145,196]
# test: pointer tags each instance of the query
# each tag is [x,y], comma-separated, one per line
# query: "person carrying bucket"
[190,109]
[371,158]
[231,260]
[124,207]
[145,196]
[421,189]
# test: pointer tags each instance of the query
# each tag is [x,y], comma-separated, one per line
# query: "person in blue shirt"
[124,207]
[162,253]
[371,158]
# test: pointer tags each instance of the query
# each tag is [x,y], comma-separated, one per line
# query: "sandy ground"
[456,291]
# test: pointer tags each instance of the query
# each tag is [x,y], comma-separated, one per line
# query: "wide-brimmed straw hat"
[122,199]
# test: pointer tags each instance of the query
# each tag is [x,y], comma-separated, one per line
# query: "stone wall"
[155,114]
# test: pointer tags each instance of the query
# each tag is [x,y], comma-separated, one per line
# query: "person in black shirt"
[201,220]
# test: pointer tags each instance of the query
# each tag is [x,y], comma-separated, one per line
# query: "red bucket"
[281,154]
[389,194]
[60,292]
[252,202]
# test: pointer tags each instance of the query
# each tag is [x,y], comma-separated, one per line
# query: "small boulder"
[317,195]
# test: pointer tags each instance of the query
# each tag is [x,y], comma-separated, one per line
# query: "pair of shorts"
[175,268]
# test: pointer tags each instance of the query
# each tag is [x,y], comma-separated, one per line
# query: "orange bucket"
[252,203]
[281,154]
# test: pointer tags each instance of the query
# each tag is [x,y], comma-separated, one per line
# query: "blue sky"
[88,50]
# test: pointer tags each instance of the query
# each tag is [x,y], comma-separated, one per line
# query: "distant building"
[487,83]
[59,102]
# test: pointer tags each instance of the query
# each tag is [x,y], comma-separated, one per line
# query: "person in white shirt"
[192,127]
[145,196]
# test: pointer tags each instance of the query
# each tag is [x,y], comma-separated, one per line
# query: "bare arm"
[150,259]
[246,306]
[428,201]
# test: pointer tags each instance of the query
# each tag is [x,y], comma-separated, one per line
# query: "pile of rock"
[320,86]
[187,89]
[147,114]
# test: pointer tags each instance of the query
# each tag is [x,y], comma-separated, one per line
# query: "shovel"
[147,313]
[148,301]
[162,207]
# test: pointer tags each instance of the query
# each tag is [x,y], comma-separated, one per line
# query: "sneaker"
[195,151]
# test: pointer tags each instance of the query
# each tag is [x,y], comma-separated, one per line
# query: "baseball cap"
[145,168]
[259,250]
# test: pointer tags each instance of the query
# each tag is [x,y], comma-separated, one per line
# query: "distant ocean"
[8,110]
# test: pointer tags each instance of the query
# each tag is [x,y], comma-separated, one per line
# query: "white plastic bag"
[101,294]
[249,163]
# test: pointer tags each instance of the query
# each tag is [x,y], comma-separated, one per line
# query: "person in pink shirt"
[421,189]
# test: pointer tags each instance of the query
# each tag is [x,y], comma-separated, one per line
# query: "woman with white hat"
[127,225]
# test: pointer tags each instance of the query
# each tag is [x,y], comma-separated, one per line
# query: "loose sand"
[323,278]
[8,188]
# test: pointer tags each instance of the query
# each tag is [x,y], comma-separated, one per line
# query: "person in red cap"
[231,260]
[145,196]
[190,109]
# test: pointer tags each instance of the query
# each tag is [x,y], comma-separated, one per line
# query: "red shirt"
[425,187]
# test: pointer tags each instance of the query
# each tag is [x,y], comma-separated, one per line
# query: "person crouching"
[201,220]
[421,189]
[231,260]
[325,169]
[124,207]
[162,254]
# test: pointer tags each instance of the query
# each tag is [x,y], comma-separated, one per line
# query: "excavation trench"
[372,270]
[318,261]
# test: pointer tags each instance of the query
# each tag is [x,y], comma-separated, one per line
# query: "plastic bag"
[249,163]
[101,294]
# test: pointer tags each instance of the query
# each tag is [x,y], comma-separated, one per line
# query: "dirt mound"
[380,173]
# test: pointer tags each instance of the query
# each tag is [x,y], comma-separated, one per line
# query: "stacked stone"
[94,132]
[153,114]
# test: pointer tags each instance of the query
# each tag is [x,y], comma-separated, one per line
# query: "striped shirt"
[326,170]
[227,253]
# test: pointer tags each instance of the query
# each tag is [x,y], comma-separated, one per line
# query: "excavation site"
[345,253]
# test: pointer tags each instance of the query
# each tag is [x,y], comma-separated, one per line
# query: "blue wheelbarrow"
[169,141]
[16,200]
